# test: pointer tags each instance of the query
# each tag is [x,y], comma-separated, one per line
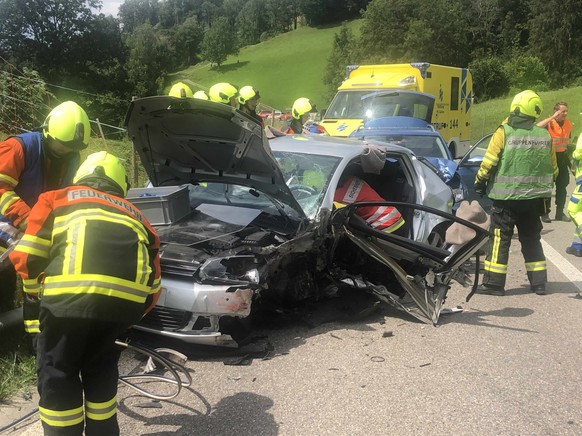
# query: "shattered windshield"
[307,176]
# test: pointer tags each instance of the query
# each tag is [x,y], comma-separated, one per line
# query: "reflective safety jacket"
[519,164]
[25,173]
[89,254]
[383,218]
[575,206]
[560,134]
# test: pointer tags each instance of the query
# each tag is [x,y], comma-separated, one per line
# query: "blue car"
[424,141]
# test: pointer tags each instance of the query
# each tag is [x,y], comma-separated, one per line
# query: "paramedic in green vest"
[517,173]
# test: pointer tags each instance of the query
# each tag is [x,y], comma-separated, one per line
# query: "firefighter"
[575,205]
[517,172]
[353,189]
[35,162]
[92,259]
[560,129]
[224,93]
[248,99]
[300,111]
[201,95]
[180,90]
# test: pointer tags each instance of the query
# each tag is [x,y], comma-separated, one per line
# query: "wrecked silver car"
[244,220]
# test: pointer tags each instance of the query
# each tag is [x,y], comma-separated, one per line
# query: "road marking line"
[565,267]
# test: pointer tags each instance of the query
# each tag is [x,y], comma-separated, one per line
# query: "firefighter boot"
[490,290]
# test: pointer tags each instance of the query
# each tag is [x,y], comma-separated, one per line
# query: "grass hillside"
[292,65]
[283,68]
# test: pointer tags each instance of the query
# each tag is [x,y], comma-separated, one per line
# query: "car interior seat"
[392,185]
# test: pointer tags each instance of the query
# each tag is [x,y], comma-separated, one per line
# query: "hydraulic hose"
[173,367]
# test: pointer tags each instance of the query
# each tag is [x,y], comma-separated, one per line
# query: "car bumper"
[191,312]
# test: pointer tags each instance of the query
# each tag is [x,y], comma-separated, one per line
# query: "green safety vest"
[525,169]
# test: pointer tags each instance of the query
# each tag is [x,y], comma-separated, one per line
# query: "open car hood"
[187,140]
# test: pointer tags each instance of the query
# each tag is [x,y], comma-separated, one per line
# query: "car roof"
[328,145]
[396,131]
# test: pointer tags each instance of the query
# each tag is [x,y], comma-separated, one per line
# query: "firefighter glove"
[480,187]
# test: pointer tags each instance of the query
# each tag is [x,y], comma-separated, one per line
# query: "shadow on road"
[243,413]
[485,318]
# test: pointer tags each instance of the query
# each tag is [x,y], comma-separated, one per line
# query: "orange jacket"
[560,134]
[383,218]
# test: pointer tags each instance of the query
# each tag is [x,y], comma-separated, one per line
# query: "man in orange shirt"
[560,129]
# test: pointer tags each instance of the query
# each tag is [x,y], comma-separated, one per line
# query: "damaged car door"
[410,275]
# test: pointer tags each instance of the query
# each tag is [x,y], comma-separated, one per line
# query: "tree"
[219,42]
[231,9]
[489,78]
[318,12]
[342,54]
[147,61]
[484,27]
[385,27]
[251,22]
[555,37]
[133,13]
[207,13]
[188,38]
[280,14]
[46,33]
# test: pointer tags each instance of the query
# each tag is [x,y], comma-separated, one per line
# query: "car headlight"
[231,270]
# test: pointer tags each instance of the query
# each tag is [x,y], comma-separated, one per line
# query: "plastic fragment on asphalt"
[150,405]
[451,310]
[387,334]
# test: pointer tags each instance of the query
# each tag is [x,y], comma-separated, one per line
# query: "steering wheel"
[302,191]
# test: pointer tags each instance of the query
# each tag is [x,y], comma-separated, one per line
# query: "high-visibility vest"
[525,169]
[89,254]
[383,218]
[577,158]
[560,134]
[29,184]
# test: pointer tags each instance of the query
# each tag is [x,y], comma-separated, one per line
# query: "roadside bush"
[527,72]
[489,78]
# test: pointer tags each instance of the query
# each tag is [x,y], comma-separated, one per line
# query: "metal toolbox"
[161,205]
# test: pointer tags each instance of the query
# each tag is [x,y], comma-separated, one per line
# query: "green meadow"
[292,65]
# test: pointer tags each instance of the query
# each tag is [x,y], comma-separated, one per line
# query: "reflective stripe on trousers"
[77,375]
[523,214]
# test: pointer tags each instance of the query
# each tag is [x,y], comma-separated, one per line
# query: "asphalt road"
[503,366]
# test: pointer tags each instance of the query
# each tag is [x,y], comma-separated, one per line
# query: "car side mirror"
[474,161]
[322,113]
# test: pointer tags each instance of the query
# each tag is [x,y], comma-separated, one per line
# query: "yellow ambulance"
[451,87]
